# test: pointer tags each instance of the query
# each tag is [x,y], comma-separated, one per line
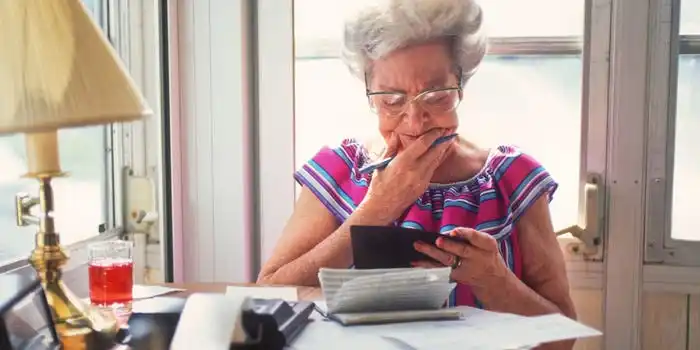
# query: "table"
[123,314]
[305,293]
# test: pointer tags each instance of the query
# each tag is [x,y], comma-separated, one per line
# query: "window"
[686,167]
[674,117]
[528,91]
[690,17]
[81,205]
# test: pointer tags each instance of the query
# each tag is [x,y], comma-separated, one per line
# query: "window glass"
[515,18]
[686,163]
[80,198]
[318,23]
[530,101]
[690,17]
[321,20]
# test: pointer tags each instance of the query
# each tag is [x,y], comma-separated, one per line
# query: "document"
[386,295]
[476,330]
[376,301]
[146,292]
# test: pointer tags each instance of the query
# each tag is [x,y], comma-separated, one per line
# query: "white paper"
[210,321]
[351,291]
[478,330]
[284,293]
[325,335]
[140,292]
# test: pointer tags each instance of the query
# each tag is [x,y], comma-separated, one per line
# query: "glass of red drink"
[111,269]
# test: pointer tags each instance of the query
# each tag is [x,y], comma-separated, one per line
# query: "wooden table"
[304,293]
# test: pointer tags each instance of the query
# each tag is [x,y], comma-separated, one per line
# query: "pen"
[384,162]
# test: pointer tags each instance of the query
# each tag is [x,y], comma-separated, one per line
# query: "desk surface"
[305,293]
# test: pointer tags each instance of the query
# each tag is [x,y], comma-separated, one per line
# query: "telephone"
[214,321]
[25,316]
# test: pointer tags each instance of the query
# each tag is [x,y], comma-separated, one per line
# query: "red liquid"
[111,281]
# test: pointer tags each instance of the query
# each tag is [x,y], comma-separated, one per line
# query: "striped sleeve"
[522,180]
[329,175]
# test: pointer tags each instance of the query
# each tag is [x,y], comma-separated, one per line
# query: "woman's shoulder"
[332,175]
[511,161]
[507,170]
[337,162]
[519,177]
[349,154]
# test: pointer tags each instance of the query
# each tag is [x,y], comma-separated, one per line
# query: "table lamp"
[58,70]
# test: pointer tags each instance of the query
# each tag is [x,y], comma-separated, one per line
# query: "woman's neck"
[464,160]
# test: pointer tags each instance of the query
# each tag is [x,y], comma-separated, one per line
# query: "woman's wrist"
[507,293]
[497,286]
[369,212]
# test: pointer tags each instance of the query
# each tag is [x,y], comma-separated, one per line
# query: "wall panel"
[670,321]
[664,321]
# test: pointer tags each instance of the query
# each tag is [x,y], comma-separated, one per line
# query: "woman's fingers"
[476,238]
[392,146]
[432,159]
[426,264]
[420,146]
[434,252]
[454,247]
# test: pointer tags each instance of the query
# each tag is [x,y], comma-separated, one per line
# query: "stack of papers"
[364,298]
[386,295]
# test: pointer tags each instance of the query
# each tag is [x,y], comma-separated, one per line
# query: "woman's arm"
[544,288]
[313,239]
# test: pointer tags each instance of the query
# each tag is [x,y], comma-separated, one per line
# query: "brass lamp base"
[79,326]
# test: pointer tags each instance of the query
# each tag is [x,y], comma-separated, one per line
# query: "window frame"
[139,32]
[661,248]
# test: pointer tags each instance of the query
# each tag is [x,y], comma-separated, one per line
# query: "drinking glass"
[111,270]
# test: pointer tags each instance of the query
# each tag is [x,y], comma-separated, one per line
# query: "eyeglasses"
[434,101]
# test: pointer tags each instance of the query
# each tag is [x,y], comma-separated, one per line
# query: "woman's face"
[414,90]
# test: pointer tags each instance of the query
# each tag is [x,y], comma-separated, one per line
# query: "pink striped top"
[491,201]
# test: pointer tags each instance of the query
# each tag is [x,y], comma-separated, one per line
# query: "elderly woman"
[415,56]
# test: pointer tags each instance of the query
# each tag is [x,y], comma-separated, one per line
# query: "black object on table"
[152,323]
[273,324]
[388,247]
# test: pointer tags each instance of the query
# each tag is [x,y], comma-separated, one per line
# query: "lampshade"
[58,70]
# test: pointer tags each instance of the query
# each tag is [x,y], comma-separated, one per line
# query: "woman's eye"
[435,97]
[392,100]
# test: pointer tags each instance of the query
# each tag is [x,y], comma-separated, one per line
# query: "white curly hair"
[378,29]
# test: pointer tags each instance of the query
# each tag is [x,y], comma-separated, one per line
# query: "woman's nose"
[415,117]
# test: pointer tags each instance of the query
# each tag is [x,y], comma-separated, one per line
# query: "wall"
[211,118]
[670,321]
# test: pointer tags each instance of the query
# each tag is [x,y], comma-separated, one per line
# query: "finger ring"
[456,262]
